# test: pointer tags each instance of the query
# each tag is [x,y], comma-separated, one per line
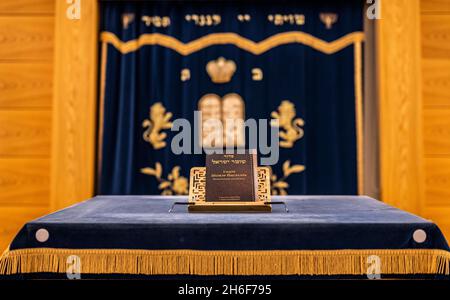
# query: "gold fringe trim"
[200,262]
[231,38]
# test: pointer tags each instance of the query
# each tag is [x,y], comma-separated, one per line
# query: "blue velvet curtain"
[139,69]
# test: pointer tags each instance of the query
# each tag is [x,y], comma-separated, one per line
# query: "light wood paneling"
[443,223]
[436,111]
[435,6]
[437,132]
[26,75]
[29,37]
[444,226]
[25,85]
[11,7]
[437,181]
[13,219]
[25,133]
[74,105]
[398,47]
[436,82]
[436,36]
[440,216]
[24,182]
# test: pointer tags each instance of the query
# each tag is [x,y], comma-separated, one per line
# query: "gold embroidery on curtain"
[287,121]
[222,120]
[158,120]
[359,116]
[173,185]
[355,38]
[279,185]
[231,38]
[221,70]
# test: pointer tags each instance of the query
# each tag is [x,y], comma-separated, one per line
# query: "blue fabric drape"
[313,223]
[320,85]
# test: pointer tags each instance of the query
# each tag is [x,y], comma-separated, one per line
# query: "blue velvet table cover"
[313,223]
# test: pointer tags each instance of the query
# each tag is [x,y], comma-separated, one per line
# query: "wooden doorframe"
[400,104]
[74,105]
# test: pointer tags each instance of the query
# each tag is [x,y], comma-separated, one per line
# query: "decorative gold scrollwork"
[175,184]
[286,120]
[279,185]
[158,120]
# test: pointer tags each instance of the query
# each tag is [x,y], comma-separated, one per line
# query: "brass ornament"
[158,120]
[220,38]
[292,19]
[175,184]
[286,116]
[204,20]
[221,70]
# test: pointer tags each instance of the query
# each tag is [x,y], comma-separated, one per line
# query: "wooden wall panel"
[74,105]
[437,132]
[400,104]
[436,110]
[435,6]
[11,7]
[436,36]
[13,219]
[25,84]
[29,37]
[437,181]
[439,215]
[25,133]
[444,225]
[436,82]
[24,182]
[26,75]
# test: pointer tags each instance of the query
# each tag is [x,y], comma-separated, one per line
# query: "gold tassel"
[202,262]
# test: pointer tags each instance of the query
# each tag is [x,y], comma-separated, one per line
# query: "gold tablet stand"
[197,195]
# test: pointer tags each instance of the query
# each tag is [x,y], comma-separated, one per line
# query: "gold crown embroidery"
[221,70]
